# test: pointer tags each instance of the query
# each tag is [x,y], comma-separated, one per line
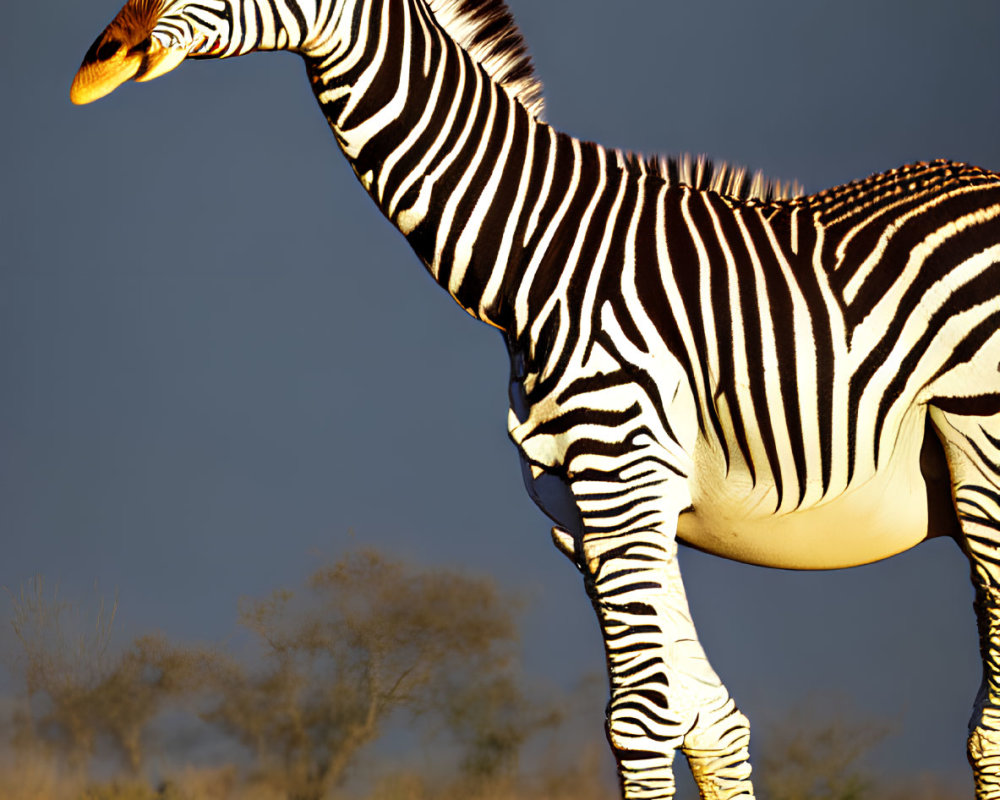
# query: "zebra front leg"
[972,447]
[984,726]
[664,693]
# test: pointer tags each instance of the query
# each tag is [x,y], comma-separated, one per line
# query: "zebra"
[696,355]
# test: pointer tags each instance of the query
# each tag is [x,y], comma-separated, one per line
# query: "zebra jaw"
[126,50]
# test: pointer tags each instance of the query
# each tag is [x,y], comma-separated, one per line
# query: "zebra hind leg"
[972,447]
[664,693]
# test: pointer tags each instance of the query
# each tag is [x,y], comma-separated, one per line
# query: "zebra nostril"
[108,49]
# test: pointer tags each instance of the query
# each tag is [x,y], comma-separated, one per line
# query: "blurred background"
[220,367]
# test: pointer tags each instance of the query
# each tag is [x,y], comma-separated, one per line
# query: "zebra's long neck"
[444,149]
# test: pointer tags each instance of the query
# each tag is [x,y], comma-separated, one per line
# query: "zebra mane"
[734,182]
[486,30]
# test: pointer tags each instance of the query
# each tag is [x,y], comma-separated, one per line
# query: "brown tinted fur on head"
[124,51]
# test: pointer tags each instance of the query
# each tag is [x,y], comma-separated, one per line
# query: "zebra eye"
[108,49]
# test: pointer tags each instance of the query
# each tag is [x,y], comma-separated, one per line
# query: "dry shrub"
[368,643]
[369,638]
[81,695]
[822,749]
[816,753]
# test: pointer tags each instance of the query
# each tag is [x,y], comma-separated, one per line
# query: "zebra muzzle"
[110,62]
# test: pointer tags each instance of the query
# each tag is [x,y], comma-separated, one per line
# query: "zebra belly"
[880,516]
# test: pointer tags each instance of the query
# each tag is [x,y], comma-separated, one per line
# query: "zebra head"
[148,38]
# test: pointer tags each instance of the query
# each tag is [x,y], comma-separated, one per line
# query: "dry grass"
[37,777]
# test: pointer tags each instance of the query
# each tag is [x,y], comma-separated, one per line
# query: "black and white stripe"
[695,354]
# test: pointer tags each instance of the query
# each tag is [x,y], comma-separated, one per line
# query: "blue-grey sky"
[218,363]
